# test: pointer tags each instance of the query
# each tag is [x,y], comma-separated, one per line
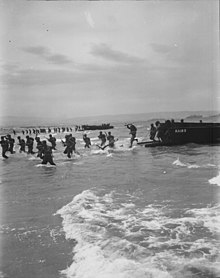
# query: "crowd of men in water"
[44,151]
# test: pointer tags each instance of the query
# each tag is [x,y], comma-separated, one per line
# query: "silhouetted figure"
[4,145]
[87,141]
[21,143]
[102,137]
[11,143]
[30,144]
[153,131]
[52,140]
[70,144]
[111,140]
[133,131]
[47,154]
[39,147]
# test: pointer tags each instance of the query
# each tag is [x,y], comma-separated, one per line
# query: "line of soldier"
[7,144]
[44,130]
[45,152]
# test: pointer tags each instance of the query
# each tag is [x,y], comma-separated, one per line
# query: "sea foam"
[118,239]
[215,180]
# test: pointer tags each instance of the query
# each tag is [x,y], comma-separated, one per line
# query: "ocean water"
[122,213]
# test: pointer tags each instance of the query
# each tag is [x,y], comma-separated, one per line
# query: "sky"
[86,58]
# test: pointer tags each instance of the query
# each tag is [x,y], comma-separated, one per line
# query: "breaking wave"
[215,180]
[119,239]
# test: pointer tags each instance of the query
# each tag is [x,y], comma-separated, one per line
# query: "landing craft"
[94,127]
[179,133]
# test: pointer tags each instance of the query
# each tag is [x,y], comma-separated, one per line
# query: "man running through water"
[52,140]
[102,137]
[39,147]
[70,144]
[133,131]
[87,141]
[47,154]
[111,140]
[30,144]
[21,143]
[4,145]
[11,143]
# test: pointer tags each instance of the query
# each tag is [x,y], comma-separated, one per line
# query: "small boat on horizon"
[94,127]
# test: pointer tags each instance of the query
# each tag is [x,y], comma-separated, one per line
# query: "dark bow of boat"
[179,133]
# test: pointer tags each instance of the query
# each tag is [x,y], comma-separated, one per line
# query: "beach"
[125,213]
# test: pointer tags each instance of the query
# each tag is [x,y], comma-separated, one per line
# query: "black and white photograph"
[110,139]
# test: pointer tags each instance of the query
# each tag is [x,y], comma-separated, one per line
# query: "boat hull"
[97,127]
[184,133]
[195,134]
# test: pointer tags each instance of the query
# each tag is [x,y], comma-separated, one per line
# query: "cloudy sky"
[69,59]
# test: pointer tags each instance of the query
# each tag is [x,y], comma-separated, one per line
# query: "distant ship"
[179,133]
[94,127]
